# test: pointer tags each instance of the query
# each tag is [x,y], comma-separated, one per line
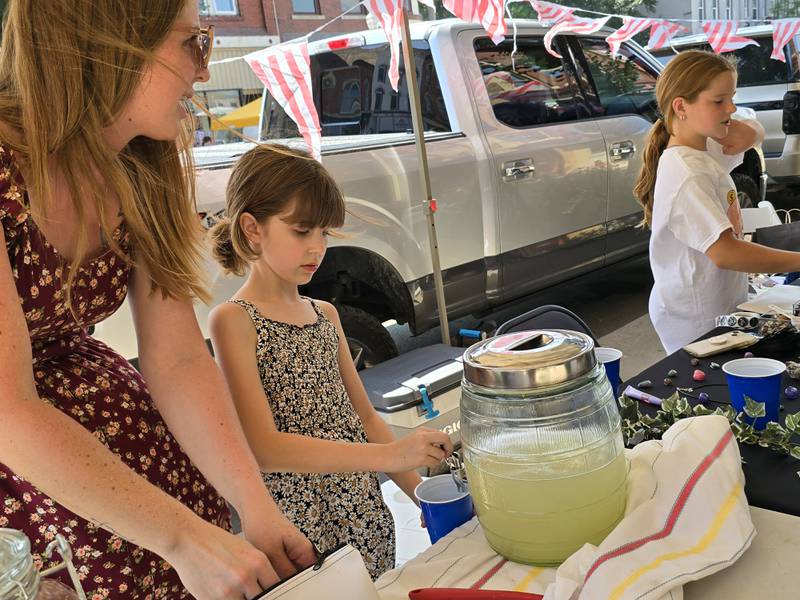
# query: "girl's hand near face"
[742,135]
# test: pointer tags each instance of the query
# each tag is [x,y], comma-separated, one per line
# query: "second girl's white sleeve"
[727,161]
[730,161]
[696,218]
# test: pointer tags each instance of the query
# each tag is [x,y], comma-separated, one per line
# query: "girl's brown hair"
[265,182]
[67,69]
[685,76]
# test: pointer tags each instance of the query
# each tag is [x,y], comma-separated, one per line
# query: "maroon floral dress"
[92,384]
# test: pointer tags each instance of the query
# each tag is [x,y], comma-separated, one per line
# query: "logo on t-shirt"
[734,213]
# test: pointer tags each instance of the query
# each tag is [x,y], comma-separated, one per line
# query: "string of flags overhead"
[285,68]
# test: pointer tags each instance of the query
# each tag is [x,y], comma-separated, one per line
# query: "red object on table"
[467,594]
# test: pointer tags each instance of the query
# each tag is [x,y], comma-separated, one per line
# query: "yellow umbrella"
[244,116]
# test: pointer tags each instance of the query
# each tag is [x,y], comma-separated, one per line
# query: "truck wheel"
[746,190]
[370,342]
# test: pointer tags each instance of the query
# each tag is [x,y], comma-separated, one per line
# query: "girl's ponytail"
[223,249]
[657,141]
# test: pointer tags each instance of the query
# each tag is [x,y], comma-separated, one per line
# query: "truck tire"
[746,190]
[370,342]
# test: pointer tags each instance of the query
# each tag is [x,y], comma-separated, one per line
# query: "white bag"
[338,574]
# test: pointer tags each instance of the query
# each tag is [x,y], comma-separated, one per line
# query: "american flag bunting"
[389,14]
[286,72]
[662,32]
[722,36]
[577,25]
[551,13]
[631,26]
[488,13]
[783,31]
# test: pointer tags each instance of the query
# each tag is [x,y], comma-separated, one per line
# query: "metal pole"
[425,179]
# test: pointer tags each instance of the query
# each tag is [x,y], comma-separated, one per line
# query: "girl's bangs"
[321,206]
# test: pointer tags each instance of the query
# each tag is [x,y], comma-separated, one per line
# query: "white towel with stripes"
[686,518]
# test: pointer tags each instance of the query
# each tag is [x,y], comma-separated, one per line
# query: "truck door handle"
[518,169]
[621,150]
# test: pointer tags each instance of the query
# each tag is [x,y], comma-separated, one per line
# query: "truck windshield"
[353,95]
[753,62]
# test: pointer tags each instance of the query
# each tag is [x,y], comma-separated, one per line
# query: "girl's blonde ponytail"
[657,141]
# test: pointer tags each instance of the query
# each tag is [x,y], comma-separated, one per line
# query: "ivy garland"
[638,427]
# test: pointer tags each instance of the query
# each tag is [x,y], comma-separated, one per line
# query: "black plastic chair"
[548,316]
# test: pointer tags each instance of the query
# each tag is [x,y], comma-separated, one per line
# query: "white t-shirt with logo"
[694,202]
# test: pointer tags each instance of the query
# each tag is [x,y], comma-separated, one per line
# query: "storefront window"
[305,7]
[219,103]
[348,4]
[218,7]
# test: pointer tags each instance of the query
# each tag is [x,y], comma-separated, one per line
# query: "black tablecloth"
[772,479]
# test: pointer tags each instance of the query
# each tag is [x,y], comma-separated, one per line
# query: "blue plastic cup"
[610,357]
[443,506]
[760,380]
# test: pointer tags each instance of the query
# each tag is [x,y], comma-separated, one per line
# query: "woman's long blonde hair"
[685,76]
[67,69]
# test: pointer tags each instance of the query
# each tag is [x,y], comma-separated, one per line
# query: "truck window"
[532,89]
[353,95]
[757,68]
[624,85]
[755,65]
[753,62]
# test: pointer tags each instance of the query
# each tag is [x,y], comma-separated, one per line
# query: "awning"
[235,75]
[244,116]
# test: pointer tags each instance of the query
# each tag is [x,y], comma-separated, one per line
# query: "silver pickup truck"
[532,158]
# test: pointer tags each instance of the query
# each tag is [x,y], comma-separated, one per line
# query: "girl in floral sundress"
[304,410]
[130,467]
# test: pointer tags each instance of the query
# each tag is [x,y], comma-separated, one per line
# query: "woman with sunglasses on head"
[96,201]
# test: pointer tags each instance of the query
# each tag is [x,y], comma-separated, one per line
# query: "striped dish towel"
[686,518]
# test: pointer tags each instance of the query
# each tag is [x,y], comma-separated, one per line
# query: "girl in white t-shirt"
[697,253]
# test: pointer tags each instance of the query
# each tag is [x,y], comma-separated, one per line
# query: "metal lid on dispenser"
[529,359]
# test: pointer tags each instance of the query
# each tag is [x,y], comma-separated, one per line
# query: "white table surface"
[766,571]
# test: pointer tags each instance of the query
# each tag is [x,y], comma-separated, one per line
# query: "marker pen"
[632,392]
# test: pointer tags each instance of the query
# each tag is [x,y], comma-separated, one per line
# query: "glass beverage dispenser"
[542,444]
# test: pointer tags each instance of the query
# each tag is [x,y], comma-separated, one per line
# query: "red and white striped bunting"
[722,36]
[389,14]
[783,30]
[488,13]
[551,13]
[286,72]
[577,25]
[631,26]
[662,32]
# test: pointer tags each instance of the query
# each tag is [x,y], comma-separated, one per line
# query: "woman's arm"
[376,428]
[191,395]
[70,465]
[733,254]
[234,340]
